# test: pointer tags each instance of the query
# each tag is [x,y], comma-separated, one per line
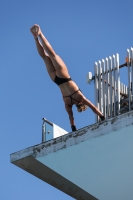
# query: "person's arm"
[71,118]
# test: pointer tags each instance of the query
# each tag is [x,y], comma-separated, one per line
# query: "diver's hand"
[73,127]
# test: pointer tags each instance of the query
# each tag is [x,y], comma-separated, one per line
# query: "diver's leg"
[39,47]
[50,67]
[36,31]
[58,63]
[46,58]
[56,60]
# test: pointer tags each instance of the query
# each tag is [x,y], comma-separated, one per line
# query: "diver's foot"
[35,30]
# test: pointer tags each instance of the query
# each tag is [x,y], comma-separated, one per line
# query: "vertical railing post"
[113,95]
[110,80]
[122,88]
[129,76]
[132,74]
[118,83]
[99,85]
[43,130]
[114,85]
[103,84]
[108,91]
[101,90]
[106,94]
[96,88]
[126,90]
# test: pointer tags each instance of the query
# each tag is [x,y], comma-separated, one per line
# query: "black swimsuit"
[72,97]
[60,81]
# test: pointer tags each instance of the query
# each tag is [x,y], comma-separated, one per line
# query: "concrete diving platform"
[95,162]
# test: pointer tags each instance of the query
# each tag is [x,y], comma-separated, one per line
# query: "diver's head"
[81,107]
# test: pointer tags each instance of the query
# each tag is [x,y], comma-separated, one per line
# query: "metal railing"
[44,129]
[111,96]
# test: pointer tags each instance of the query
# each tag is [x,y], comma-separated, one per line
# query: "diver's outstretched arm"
[71,118]
[94,108]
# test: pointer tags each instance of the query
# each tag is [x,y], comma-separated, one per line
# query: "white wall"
[103,166]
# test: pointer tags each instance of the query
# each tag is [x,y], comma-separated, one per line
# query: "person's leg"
[40,48]
[58,63]
[46,58]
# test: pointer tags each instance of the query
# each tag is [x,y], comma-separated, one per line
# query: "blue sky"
[81,32]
